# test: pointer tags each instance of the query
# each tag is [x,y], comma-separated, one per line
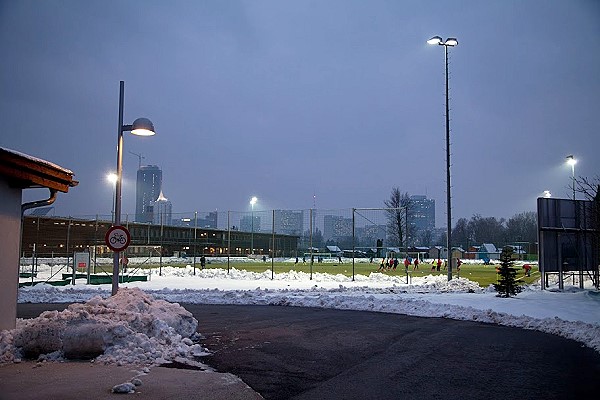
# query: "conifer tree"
[508,285]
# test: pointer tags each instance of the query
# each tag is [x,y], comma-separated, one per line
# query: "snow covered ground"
[163,332]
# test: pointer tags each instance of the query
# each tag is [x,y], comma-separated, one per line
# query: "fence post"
[195,235]
[353,242]
[311,243]
[273,247]
[228,240]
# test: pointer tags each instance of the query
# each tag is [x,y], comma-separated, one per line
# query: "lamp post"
[572,161]
[140,127]
[450,42]
[112,179]
[253,201]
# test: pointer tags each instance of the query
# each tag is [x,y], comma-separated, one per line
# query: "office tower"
[162,210]
[335,227]
[421,214]
[289,222]
[148,187]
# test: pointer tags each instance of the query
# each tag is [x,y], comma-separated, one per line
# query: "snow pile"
[128,328]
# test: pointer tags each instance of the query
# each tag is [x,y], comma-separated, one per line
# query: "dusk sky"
[284,100]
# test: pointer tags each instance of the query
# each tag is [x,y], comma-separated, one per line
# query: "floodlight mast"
[450,42]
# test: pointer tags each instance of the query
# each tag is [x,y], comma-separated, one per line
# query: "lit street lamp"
[253,201]
[450,42]
[140,127]
[547,194]
[572,161]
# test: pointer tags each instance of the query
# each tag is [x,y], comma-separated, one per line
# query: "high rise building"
[335,227]
[421,216]
[289,222]
[148,188]
[162,210]
[249,223]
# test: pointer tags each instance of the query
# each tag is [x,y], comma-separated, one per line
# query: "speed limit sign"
[117,238]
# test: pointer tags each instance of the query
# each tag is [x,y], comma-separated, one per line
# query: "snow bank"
[128,328]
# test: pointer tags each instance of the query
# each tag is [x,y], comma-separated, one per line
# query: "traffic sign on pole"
[117,238]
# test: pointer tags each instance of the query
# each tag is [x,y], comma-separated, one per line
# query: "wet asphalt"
[309,353]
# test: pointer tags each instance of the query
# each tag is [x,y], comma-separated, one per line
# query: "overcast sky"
[284,100]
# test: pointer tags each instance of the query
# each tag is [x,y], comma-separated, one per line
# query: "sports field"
[480,273]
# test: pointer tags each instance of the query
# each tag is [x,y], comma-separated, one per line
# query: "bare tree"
[522,227]
[398,206]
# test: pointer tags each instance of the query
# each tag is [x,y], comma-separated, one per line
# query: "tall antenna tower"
[140,158]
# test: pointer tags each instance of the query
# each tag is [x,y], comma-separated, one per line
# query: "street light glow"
[112,178]
[547,194]
[253,201]
[451,42]
[571,160]
[143,127]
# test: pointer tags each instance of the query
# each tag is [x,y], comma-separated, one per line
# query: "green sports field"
[480,273]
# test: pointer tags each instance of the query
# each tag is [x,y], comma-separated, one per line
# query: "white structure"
[162,210]
[19,171]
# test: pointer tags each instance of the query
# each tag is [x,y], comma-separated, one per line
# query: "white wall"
[10,238]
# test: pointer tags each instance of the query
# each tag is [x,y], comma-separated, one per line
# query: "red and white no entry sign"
[117,238]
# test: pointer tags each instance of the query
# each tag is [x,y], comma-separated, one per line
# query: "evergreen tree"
[508,284]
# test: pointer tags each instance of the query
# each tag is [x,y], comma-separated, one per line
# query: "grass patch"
[484,275]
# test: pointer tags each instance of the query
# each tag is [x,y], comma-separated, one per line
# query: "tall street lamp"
[572,161]
[253,201]
[140,127]
[450,42]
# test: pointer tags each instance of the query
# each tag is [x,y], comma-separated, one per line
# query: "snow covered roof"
[488,248]
[24,171]
[333,249]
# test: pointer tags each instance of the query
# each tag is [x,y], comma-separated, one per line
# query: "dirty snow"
[145,327]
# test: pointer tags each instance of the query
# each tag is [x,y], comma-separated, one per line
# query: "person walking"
[202,262]
[416,263]
[439,264]
[124,262]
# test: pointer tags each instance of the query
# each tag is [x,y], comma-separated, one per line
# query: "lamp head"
[451,42]
[253,201]
[435,40]
[142,127]
[571,160]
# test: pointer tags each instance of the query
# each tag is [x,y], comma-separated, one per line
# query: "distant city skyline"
[325,105]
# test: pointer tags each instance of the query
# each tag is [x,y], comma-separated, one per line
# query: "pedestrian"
[439,264]
[124,262]
[340,259]
[296,260]
[264,258]
[458,264]
[202,262]
[433,264]
[395,263]
[416,263]
[381,266]
[406,264]
[527,269]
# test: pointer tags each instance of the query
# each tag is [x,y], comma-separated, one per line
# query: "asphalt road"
[308,353]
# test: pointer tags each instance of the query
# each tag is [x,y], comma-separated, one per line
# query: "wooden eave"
[26,172]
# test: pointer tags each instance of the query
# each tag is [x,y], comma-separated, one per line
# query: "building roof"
[24,171]
[488,248]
